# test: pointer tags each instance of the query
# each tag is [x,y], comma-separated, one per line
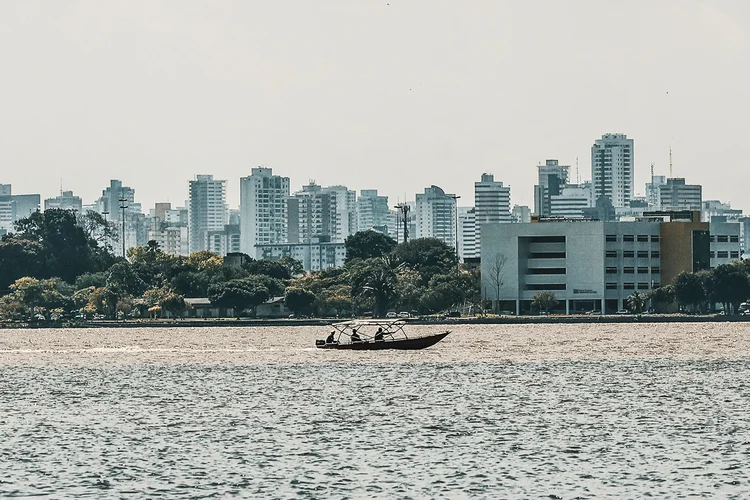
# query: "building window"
[643,270]
[712,255]
[734,239]
[722,239]
[611,286]
[722,255]
[611,253]
[655,254]
[611,270]
[547,270]
[628,254]
[655,270]
[547,255]
[549,286]
[628,270]
[642,286]
[643,254]
[611,237]
[643,237]
[629,286]
[628,237]
[655,238]
[712,238]
[655,285]
[734,255]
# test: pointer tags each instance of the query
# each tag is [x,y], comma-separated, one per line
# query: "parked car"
[391,314]
[404,314]
[623,311]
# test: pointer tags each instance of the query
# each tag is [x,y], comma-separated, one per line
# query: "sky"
[394,95]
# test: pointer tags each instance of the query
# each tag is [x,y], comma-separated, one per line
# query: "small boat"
[374,335]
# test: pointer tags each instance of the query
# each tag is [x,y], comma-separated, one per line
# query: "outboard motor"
[320,342]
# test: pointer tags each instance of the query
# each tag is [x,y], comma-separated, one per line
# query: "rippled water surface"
[566,411]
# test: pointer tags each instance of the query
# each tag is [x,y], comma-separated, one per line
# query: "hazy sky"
[392,94]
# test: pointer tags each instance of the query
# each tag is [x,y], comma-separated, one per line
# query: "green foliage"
[368,244]
[48,294]
[636,302]
[428,256]
[272,268]
[18,258]
[730,286]
[299,300]
[375,279]
[239,294]
[95,280]
[544,301]
[689,290]
[661,297]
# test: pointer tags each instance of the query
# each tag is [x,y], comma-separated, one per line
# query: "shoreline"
[494,320]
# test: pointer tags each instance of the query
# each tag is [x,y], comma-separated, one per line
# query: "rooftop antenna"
[670,163]
[652,171]
[578,176]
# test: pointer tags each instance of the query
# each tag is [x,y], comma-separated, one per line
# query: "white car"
[390,314]
[404,314]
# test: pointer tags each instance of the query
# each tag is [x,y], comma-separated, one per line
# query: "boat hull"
[401,344]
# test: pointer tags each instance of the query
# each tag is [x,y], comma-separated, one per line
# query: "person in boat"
[355,336]
[379,334]
[330,339]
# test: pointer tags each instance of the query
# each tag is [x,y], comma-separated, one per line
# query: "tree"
[494,275]
[374,279]
[239,294]
[428,256]
[636,301]
[730,286]
[368,244]
[48,294]
[661,297]
[97,228]
[19,258]
[544,301]
[299,300]
[689,290]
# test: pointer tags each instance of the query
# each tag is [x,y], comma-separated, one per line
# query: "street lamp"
[123,206]
[404,209]
[455,207]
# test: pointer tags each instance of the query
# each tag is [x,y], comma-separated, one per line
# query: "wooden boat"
[374,335]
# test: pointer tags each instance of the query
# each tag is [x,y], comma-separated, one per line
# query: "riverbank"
[473,320]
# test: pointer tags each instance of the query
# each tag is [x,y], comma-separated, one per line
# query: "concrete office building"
[715,208]
[595,265]
[373,212]
[572,201]
[346,212]
[263,210]
[65,201]
[551,178]
[612,159]
[436,215]
[491,204]
[652,191]
[207,210]
[745,236]
[521,214]
[676,195]
[312,214]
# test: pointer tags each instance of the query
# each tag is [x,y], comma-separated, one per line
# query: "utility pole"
[123,205]
[403,208]
[106,227]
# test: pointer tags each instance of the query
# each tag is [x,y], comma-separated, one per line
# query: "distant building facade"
[207,210]
[373,212]
[65,201]
[612,160]
[263,210]
[436,215]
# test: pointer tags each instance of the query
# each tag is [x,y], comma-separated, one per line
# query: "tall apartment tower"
[373,212]
[263,210]
[612,169]
[551,178]
[109,204]
[436,215]
[207,210]
[312,214]
[346,212]
[491,204]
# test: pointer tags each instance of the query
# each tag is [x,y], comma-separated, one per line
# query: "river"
[511,411]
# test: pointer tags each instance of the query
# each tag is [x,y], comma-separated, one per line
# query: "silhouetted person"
[330,338]
[355,336]
[379,335]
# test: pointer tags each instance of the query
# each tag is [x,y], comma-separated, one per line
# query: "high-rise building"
[373,212]
[207,210]
[346,212]
[652,191]
[110,204]
[521,214]
[676,195]
[169,228]
[612,169]
[312,214]
[65,201]
[436,215]
[551,178]
[491,204]
[468,234]
[263,210]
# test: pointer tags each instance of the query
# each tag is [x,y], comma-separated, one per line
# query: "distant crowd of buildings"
[311,224]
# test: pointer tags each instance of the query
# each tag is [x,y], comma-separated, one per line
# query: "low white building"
[315,256]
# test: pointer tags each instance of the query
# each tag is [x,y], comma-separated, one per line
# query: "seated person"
[379,335]
[355,336]
[330,338]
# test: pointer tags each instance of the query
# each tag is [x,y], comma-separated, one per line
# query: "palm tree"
[636,301]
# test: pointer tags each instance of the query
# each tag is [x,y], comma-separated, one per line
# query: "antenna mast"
[578,176]
[670,163]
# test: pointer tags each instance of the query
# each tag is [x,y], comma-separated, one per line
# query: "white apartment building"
[263,210]
[313,213]
[491,202]
[346,212]
[711,209]
[468,244]
[207,209]
[572,201]
[521,214]
[315,256]
[373,212]
[745,236]
[115,202]
[169,228]
[612,159]
[436,215]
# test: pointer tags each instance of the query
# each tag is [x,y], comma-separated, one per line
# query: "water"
[563,411]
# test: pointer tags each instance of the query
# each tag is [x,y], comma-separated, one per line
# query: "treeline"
[57,262]
[727,284]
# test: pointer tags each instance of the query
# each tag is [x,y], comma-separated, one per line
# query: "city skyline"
[153,95]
